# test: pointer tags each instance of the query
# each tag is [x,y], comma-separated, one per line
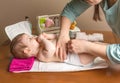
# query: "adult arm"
[110,52]
[82,46]
[74,9]
[68,15]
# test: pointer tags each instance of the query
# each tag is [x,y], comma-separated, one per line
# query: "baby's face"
[30,41]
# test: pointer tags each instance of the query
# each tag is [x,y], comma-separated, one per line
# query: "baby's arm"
[49,36]
[48,47]
[47,52]
[41,57]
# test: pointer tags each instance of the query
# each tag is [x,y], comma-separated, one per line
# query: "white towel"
[90,37]
[18,28]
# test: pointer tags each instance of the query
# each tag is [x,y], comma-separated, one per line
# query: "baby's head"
[24,46]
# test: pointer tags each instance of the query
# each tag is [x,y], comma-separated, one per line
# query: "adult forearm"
[65,26]
[97,49]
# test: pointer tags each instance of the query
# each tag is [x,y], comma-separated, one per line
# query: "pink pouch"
[49,22]
[21,64]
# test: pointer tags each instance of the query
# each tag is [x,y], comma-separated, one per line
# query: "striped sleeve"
[113,53]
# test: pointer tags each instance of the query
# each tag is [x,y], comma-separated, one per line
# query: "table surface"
[91,76]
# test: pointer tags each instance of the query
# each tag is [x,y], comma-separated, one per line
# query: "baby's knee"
[86,59]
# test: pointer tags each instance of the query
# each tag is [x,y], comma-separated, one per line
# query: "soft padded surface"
[21,64]
[38,66]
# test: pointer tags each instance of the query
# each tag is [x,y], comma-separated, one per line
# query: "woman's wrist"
[65,26]
[63,35]
[87,47]
[97,49]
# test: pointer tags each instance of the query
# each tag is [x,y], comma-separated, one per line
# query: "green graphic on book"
[42,22]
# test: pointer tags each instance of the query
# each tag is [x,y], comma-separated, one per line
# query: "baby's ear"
[26,50]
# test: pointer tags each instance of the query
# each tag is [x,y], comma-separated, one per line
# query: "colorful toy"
[49,22]
[73,25]
[42,22]
[46,22]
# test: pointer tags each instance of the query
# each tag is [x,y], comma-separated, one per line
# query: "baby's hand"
[49,36]
[40,37]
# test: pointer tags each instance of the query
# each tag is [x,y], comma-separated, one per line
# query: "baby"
[43,47]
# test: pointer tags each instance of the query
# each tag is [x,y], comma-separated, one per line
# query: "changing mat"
[33,65]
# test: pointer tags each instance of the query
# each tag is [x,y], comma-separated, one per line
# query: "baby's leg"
[86,58]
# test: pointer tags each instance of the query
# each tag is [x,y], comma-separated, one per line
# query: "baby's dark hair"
[17,41]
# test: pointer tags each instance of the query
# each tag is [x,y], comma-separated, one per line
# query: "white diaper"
[73,59]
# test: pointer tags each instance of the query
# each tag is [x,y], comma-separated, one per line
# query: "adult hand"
[83,46]
[61,47]
[77,46]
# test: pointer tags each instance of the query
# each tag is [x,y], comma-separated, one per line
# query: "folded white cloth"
[90,37]
[18,28]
